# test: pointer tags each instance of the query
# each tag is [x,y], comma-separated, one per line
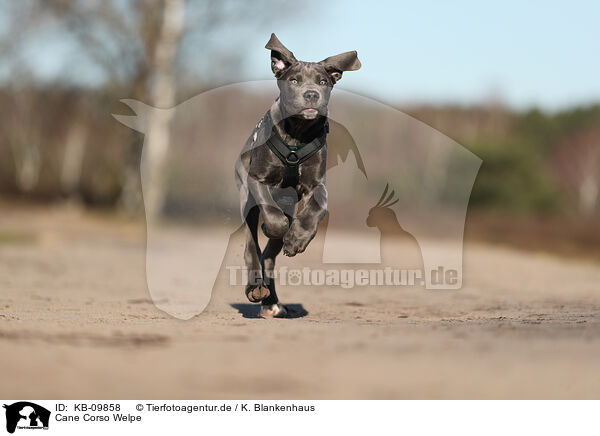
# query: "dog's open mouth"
[309,112]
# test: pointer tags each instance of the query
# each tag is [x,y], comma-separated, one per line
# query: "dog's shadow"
[253,310]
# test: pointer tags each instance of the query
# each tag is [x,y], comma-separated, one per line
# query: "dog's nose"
[311,95]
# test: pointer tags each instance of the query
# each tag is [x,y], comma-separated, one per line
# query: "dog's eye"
[294,81]
[323,82]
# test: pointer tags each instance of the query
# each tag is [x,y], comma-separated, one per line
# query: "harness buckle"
[292,158]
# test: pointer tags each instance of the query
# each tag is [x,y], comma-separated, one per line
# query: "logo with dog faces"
[24,415]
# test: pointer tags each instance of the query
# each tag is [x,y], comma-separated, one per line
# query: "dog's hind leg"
[255,289]
[270,305]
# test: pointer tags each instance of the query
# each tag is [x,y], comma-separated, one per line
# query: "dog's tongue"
[309,111]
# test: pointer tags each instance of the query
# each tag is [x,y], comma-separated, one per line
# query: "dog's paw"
[258,293]
[273,311]
[291,248]
[295,240]
[275,224]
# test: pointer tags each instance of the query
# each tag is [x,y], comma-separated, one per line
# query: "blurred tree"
[140,52]
[577,163]
[513,177]
[162,95]
[545,131]
[25,144]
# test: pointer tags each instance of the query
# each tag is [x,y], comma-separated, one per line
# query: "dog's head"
[305,87]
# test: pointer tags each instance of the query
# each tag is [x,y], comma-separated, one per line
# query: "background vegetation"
[59,141]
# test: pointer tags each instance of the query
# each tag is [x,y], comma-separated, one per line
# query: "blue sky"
[529,53]
[524,52]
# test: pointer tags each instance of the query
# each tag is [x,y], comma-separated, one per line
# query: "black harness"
[290,155]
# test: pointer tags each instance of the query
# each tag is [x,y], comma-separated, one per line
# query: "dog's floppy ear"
[281,57]
[336,65]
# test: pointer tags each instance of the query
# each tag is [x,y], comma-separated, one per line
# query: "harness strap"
[291,176]
[294,156]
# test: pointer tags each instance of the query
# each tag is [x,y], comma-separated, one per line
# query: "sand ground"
[76,321]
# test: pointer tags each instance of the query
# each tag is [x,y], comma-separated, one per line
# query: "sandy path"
[76,322]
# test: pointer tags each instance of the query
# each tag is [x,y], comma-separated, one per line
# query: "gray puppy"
[283,163]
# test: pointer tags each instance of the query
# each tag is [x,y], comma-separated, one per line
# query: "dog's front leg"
[305,223]
[275,222]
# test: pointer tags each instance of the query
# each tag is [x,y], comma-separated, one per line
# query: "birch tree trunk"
[588,188]
[72,161]
[28,162]
[26,143]
[162,91]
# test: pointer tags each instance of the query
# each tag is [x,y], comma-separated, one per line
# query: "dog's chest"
[283,176]
[275,163]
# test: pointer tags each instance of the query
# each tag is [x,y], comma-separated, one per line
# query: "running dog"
[280,172]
